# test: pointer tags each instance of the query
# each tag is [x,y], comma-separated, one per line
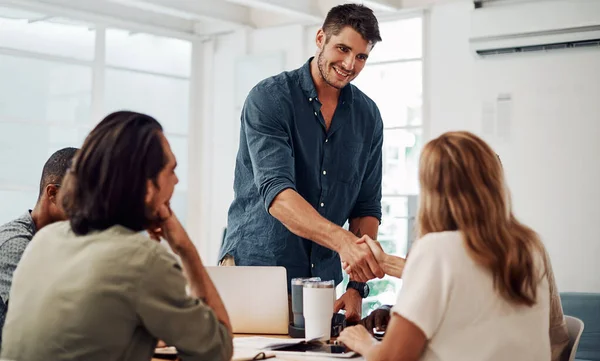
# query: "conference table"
[284,357]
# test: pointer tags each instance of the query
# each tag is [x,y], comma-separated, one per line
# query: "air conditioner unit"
[526,26]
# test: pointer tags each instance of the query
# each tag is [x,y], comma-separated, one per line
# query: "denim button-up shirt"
[284,144]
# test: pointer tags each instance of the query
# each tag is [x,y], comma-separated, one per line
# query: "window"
[45,99]
[393,79]
[36,90]
[48,94]
[159,96]
[150,74]
[146,52]
[34,32]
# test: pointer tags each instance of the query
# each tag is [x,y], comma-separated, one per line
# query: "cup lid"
[303,280]
[320,284]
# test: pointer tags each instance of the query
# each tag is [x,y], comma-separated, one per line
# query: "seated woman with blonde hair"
[475,284]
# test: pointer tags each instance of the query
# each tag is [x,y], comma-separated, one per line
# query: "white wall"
[550,151]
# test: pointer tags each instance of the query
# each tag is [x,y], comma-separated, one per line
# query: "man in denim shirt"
[309,160]
[16,234]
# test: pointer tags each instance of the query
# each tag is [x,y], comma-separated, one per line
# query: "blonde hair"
[463,189]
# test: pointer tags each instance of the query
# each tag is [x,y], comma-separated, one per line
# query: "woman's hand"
[358,339]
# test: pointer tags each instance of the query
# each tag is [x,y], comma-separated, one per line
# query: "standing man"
[16,234]
[309,160]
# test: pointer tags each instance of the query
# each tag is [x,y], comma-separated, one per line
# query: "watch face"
[366,290]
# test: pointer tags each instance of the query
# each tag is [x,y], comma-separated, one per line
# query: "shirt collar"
[308,86]
[29,221]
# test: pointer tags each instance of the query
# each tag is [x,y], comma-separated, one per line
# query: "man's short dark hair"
[55,168]
[107,183]
[357,16]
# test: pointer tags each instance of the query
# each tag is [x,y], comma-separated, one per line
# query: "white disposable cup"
[318,298]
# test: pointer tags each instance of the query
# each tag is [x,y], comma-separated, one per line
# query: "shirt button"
[310,99]
[326,140]
[312,265]
[324,172]
[322,204]
[315,114]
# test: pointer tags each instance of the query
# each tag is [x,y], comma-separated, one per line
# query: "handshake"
[364,260]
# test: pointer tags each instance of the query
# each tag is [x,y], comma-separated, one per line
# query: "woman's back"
[452,299]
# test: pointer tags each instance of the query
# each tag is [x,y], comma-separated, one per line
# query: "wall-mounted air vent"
[592,43]
[519,26]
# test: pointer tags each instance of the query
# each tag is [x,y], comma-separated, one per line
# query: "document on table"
[285,348]
[252,348]
[259,343]
[251,355]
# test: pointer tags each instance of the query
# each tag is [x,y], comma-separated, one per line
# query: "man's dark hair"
[107,183]
[55,168]
[357,16]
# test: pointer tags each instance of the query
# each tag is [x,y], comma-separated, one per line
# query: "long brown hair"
[107,182]
[463,189]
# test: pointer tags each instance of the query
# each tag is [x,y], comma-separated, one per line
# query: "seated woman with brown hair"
[475,285]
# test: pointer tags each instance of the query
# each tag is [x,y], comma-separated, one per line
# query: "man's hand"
[377,320]
[377,254]
[161,344]
[359,257]
[168,227]
[156,231]
[352,303]
[390,264]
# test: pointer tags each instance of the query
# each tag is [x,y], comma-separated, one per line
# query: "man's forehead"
[170,156]
[350,37]
[167,149]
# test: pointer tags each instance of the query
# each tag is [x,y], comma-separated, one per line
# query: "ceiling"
[190,18]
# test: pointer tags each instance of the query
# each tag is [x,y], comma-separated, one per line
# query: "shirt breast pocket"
[351,161]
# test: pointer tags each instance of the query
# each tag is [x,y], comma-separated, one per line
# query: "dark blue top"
[284,144]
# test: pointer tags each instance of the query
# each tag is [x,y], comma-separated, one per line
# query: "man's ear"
[52,192]
[150,191]
[320,39]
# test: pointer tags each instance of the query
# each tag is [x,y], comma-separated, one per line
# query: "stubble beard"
[321,66]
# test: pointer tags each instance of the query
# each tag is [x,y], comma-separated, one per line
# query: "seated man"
[95,287]
[16,235]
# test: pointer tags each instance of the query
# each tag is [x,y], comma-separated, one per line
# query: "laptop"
[256,298]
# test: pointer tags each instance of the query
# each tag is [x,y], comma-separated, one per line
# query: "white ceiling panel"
[198,17]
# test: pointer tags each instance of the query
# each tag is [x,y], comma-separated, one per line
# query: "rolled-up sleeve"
[368,202]
[171,315]
[269,143]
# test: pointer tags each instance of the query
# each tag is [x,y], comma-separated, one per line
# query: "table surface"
[289,357]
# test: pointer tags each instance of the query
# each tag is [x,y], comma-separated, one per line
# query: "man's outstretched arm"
[297,215]
[271,155]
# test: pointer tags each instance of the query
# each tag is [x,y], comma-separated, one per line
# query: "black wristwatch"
[361,287]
